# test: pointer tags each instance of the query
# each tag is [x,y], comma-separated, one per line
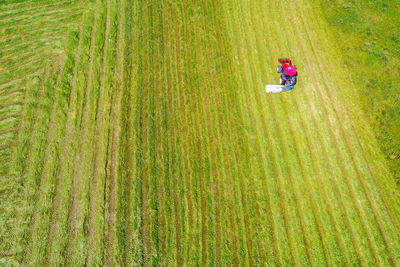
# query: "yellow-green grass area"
[368,36]
[147,139]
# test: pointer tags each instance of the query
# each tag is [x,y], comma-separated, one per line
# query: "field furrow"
[139,133]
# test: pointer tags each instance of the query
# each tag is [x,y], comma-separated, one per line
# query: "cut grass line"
[343,170]
[302,164]
[130,132]
[64,153]
[35,125]
[111,236]
[220,151]
[97,156]
[363,152]
[50,11]
[22,76]
[197,146]
[339,115]
[25,45]
[21,7]
[145,70]
[34,21]
[212,145]
[77,171]
[272,156]
[299,212]
[25,63]
[16,57]
[172,138]
[171,232]
[186,150]
[308,185]
[243,196]
[28,156]
[62,27]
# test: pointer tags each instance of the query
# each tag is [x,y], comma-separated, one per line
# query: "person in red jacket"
[288,77]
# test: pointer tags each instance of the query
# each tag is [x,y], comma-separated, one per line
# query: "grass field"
[136,133]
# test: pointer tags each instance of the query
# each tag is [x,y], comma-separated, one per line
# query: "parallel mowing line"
[147,60]
[273,158]
[168,118]
[198,126]
[158,171]
[47,11]
[343,170]
[243,200]
[338,195]
[338,115]
[26,44]
[363,154]
[49,135]
[131,134]
[61,27]
[317,172]
[111,239]
[64,153]
[198,149]
[300,161]
[186,150]
[22,76]
[83,131]
[28,156]
[44,28]
[19,66]
[213,172]
[220,151]
[16,57]
[257,213]
[171,145]
[32,6]
[173,140]
[41,19]
[34,130]
[302,164]
[97,156]
[166,149]
[298,210]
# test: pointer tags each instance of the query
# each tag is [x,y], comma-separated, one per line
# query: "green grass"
[136,133]
[372,68]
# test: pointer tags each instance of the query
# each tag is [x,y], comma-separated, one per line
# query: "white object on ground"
[273,88]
